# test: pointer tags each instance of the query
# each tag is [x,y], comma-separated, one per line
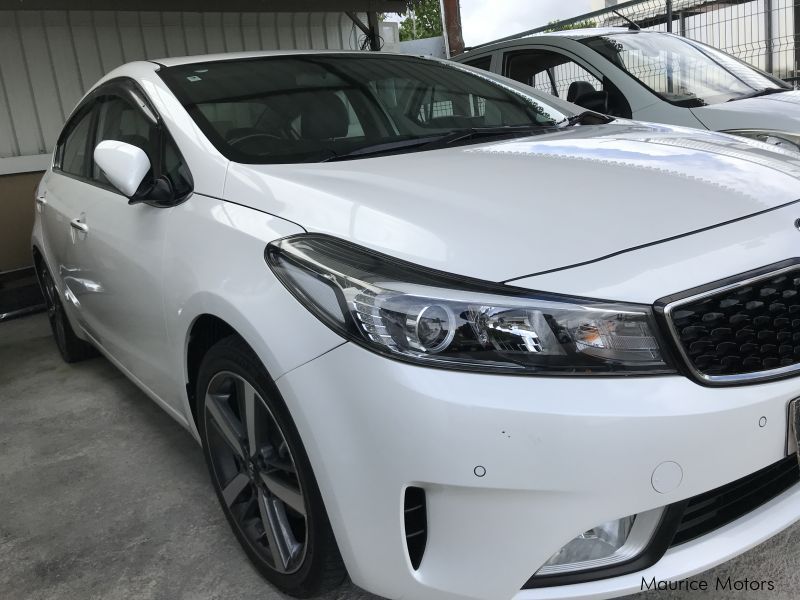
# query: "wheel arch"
[206,330]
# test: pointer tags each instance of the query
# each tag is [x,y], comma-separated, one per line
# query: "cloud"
[486,20]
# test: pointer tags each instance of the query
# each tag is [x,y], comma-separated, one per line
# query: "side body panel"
[214,265]
[205,256]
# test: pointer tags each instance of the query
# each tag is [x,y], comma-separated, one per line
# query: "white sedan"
[650,76]
[431,330]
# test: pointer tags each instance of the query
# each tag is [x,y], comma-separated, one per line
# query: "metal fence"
[764,33]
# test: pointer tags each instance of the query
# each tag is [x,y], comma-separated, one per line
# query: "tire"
[261,473]
[70,346]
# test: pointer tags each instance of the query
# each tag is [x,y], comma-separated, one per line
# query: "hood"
[501,210]
[778,112]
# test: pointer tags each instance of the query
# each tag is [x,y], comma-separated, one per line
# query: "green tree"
[423,20]
[556,26]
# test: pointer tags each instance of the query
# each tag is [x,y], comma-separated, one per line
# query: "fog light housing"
[607,544]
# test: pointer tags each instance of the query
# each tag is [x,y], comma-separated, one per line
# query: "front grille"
[743,329]
[712,510]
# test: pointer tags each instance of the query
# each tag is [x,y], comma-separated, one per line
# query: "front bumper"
[561,455]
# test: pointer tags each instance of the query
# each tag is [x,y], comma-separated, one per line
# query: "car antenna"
[631,24]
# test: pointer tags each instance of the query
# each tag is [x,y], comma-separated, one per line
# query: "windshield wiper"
[761,92]
[587,117]
[441,140]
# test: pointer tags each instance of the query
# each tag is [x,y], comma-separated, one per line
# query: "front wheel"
[261,474]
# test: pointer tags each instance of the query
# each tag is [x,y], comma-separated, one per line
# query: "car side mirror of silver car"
[124,165]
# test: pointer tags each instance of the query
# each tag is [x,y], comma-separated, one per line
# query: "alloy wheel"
[255,471]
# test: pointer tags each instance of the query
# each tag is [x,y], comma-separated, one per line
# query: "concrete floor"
[103,496]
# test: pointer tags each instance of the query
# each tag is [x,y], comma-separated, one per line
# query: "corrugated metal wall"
[49,58]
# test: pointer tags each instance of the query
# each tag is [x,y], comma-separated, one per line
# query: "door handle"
[40,202]
[79,225]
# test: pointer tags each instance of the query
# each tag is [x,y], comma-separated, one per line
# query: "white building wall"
[49,58]
[434,46]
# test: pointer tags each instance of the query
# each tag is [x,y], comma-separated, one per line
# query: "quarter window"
[74,151]
[484,62]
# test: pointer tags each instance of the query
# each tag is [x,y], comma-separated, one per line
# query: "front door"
[121,254]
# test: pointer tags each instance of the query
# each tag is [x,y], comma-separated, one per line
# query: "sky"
[486,20]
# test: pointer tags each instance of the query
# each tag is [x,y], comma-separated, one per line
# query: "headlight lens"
[781,139]
[605,545]
[412,313]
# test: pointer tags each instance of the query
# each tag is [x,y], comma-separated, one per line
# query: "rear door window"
[559,75]
[548,72]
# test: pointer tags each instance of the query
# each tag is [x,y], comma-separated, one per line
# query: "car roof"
[226,56]
[587,32]
[571,34]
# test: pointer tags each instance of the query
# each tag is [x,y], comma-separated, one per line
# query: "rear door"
[63,200]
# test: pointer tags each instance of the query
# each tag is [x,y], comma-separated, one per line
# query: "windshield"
[307,108]
[681,71]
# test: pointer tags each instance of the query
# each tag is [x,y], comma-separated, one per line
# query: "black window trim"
[128,90]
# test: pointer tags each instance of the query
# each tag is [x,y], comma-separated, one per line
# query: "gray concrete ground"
[103,496]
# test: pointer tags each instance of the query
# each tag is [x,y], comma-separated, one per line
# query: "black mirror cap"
[159,193]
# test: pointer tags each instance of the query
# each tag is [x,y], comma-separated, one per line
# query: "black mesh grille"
[709,511]
[747,329]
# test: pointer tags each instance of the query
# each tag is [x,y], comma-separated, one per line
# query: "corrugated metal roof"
[210,5]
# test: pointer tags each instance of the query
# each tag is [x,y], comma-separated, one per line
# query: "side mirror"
[124,165]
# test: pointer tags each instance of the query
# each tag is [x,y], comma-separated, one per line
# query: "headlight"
[415,314]
[781,139]
[605,545]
